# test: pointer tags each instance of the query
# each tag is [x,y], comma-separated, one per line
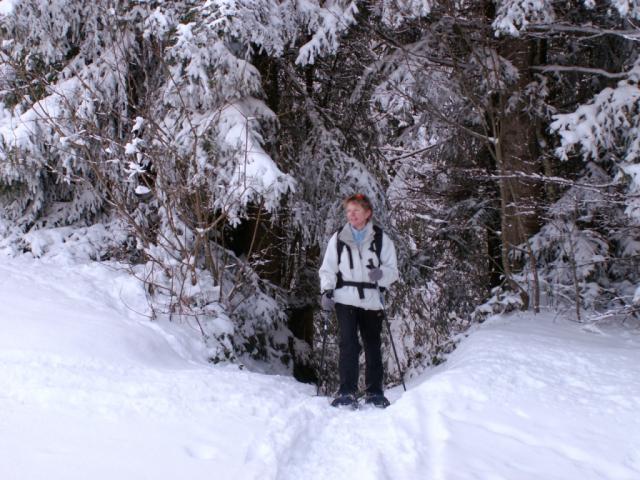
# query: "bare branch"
[577,69]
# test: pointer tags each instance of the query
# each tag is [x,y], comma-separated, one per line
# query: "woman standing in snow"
[359,262]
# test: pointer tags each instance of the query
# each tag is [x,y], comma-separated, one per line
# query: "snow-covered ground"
[90,389]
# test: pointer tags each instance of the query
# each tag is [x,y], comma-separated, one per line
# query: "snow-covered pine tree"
[510,68]
[586,247]
[49,57]
[149,112]
[604,134]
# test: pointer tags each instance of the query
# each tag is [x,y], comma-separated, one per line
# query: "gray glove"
[375,274]
[326,302]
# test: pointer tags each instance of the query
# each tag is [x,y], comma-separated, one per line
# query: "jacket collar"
[346,236]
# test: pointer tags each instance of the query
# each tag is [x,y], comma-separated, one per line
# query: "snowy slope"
[90,389]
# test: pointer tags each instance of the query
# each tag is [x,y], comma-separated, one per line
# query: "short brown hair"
[359,198]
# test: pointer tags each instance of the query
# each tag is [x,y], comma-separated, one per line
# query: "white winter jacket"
[348,295]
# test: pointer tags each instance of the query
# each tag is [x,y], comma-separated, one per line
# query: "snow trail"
[90,389]
[551,402]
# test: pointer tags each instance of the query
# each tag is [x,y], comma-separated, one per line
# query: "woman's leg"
[349,348]
[370,330]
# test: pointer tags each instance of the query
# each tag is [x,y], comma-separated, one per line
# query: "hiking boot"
[377,400]
[345,400]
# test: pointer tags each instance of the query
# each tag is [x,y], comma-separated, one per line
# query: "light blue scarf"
[359,235]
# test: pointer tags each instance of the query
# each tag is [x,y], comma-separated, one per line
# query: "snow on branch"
[577,69]
[255,176]
[327,23]
[396,12]
[626,8]
[610,120]
[267,24]
[272,26]
[609,123]
[515,16]
[588,29]
[25,131]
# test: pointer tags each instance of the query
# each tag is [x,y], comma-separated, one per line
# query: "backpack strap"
[341,246]
[359,285]
[376,245]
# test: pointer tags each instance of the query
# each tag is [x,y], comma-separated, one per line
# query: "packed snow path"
[91,390]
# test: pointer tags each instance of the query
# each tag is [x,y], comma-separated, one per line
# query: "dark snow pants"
[369,323]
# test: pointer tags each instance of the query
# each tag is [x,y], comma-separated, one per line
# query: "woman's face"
[357,215]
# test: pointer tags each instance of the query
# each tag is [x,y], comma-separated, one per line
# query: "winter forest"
[207,145]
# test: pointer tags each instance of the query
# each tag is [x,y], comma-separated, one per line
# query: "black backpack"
[376,247]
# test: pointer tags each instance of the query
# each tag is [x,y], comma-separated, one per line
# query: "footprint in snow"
[203,451]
